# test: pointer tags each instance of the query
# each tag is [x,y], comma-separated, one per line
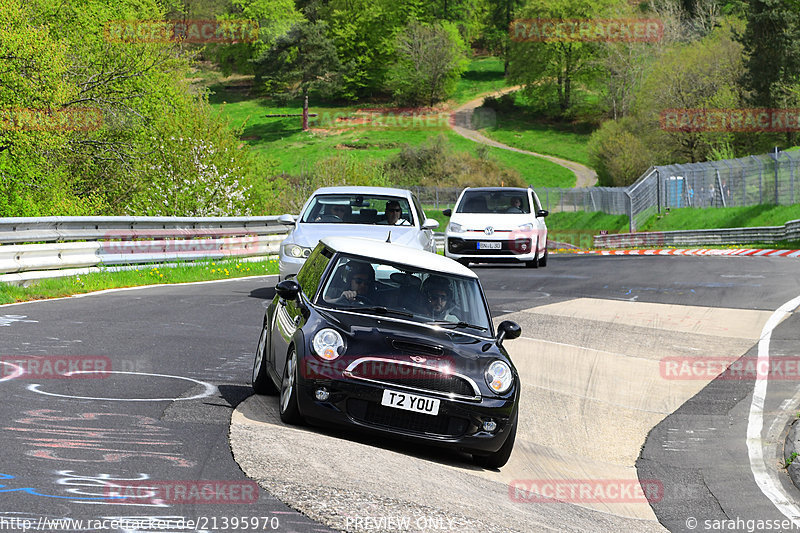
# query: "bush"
[435,164]
[618,155]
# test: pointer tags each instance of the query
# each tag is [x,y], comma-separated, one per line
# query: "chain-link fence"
[763,179]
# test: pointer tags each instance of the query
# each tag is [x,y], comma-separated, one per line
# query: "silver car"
[373,212]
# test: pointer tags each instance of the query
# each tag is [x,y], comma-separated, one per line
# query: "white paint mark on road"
[209,388]
[766,478]
[7,320]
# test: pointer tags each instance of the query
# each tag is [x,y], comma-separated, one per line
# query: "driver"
[516,205]
[438,297]
[393,212]
[360,282]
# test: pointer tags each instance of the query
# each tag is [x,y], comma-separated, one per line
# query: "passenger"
[438,297]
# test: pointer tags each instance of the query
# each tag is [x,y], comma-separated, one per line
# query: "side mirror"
[287,220]
[447,212]
[288,289]
[508,330]
[430,223]
[542,213]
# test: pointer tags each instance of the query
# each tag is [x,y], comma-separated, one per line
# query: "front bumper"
[357,404]
[289,266]
[511,249]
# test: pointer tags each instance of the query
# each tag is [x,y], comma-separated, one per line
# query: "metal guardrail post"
[631,225]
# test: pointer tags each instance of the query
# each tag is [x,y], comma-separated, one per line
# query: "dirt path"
[461,123]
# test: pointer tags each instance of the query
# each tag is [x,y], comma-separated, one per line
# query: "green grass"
[282,139]
[530,128]
[483,75]
[723,217]
[145,275]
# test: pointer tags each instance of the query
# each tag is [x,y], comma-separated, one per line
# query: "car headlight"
[293,250]
[328,344]
[499,377]
[526,227]
[455,228]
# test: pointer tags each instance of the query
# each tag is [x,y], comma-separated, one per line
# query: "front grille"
[460,246]
[375,414]
[413,376]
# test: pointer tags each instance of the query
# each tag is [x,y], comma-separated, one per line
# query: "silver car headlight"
[293,250]
[526,227]
[328,344]
[455,228]
[498,377]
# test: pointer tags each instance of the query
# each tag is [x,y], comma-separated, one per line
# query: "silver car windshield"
[374,287]
[358,209]
[512,202]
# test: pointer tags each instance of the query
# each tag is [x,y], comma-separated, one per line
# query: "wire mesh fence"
[753,180]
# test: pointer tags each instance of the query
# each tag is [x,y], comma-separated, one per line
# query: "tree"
[772,44]
[497,21]
[430,60]
[556,66]
[303,60]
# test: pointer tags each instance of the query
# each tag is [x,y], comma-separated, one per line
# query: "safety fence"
[753,180]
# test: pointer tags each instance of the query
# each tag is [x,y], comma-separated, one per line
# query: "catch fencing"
[753,180]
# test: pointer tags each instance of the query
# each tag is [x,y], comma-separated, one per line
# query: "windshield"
[374,287]
[513,202]
[358,209]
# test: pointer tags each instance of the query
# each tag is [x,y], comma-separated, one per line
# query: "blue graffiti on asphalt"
[33,492]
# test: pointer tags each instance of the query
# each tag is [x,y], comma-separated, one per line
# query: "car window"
[404,292]
[311,272]
[496,202]
[355,209]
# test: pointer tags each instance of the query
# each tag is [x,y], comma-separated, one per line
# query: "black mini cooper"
[394,340]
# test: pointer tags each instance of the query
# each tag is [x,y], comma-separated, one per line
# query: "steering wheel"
[363,300]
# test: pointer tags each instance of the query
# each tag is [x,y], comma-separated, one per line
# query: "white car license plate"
[410,402]
[488,245]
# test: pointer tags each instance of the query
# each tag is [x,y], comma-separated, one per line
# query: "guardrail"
[701,237]
[35,248]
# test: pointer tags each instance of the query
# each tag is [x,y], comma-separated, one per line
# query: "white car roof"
[397,253]
[387,191]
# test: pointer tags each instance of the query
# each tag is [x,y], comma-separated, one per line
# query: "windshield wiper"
[457,325]
[378,309]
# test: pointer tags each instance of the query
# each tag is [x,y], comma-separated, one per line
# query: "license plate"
[488,245]
[410,402]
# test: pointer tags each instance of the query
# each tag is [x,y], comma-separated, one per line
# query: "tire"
[534,263]
[289,411]
[543,260]
[262,384]
[501,456]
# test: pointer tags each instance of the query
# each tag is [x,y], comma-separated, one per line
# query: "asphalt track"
[597,406]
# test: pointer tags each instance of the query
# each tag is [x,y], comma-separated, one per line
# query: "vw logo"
[489,230]
[418,359]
